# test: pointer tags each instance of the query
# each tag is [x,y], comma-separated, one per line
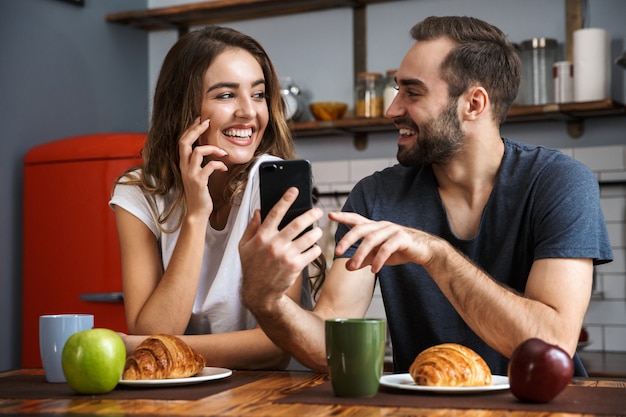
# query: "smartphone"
[276,177]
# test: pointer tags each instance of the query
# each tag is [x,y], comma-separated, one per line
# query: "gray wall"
[64,71]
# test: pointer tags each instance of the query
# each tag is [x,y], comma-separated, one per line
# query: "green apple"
[93,361]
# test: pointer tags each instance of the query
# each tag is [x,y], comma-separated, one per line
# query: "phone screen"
[276,177]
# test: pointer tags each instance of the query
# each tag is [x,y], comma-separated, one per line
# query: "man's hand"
[273,260]
[382,243]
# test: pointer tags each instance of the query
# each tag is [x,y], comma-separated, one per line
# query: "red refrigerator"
[71,260]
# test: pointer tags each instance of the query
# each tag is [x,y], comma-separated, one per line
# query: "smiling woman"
[218,113]
[237,110]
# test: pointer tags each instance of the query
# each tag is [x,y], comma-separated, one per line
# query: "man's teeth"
[239,133]
[407,132]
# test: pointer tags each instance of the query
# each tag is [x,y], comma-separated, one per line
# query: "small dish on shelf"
[328,110]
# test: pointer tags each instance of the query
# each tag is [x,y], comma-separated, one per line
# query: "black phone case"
[276,177]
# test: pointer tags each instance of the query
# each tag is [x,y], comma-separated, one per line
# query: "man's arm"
[302,332]
[552,307]
[272,259]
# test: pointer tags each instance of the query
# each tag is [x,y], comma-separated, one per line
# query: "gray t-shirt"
[544,205]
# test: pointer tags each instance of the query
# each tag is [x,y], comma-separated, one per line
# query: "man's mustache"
[405,121]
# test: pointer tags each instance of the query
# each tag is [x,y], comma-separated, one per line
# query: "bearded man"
[475,239]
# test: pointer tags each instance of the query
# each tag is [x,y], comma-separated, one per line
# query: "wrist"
[261,304]
[195,219]
[440,255]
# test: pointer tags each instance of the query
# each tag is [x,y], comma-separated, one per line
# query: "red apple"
[539,371]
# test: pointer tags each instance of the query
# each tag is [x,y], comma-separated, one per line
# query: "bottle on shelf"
[390,91]
[368,95]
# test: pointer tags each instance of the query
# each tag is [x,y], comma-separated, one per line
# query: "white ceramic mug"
[54,330]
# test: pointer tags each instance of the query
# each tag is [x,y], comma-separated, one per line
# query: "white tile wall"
[606,316]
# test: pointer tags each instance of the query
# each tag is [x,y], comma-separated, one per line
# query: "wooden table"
[254,399]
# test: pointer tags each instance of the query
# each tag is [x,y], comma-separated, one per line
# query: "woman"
[217,114]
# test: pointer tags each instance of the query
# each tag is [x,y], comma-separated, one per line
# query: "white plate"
[405,381]
[207,374]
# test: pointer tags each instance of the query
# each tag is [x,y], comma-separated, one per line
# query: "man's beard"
[438,140]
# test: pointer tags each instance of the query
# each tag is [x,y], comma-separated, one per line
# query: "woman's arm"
[144,291]
[158,301]
[244,349]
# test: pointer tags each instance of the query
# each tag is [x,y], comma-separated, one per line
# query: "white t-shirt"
[217,307]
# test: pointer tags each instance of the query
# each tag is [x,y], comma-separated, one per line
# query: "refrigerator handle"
[103,297]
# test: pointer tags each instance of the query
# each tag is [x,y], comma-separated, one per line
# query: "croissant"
[163,356]
[450,364]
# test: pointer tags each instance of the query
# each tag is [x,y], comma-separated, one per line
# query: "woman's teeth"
[238,133]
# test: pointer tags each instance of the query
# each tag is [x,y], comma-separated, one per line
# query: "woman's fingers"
[196,161]
[188,138]
[190,155]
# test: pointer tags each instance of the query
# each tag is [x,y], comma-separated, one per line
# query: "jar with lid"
[538,58]
[368,95]
[389,91]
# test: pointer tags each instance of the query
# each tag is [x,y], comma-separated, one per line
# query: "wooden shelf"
[219,11]
[184,16]
[568,112]
[351,126]
[565,111]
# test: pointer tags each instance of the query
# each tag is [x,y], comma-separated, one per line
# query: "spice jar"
[368,95]
[390,91]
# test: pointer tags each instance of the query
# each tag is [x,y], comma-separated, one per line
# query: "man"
[476,239]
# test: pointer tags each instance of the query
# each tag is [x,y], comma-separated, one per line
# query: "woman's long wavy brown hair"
[177,102]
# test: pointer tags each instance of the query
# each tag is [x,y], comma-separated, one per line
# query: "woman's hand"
[194,172]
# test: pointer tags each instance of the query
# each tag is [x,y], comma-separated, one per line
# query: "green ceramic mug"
[355,350]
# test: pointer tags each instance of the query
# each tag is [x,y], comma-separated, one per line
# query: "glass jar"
[538,58]
[368,95]
[390,91]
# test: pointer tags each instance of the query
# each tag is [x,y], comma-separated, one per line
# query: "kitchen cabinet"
[182,17]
